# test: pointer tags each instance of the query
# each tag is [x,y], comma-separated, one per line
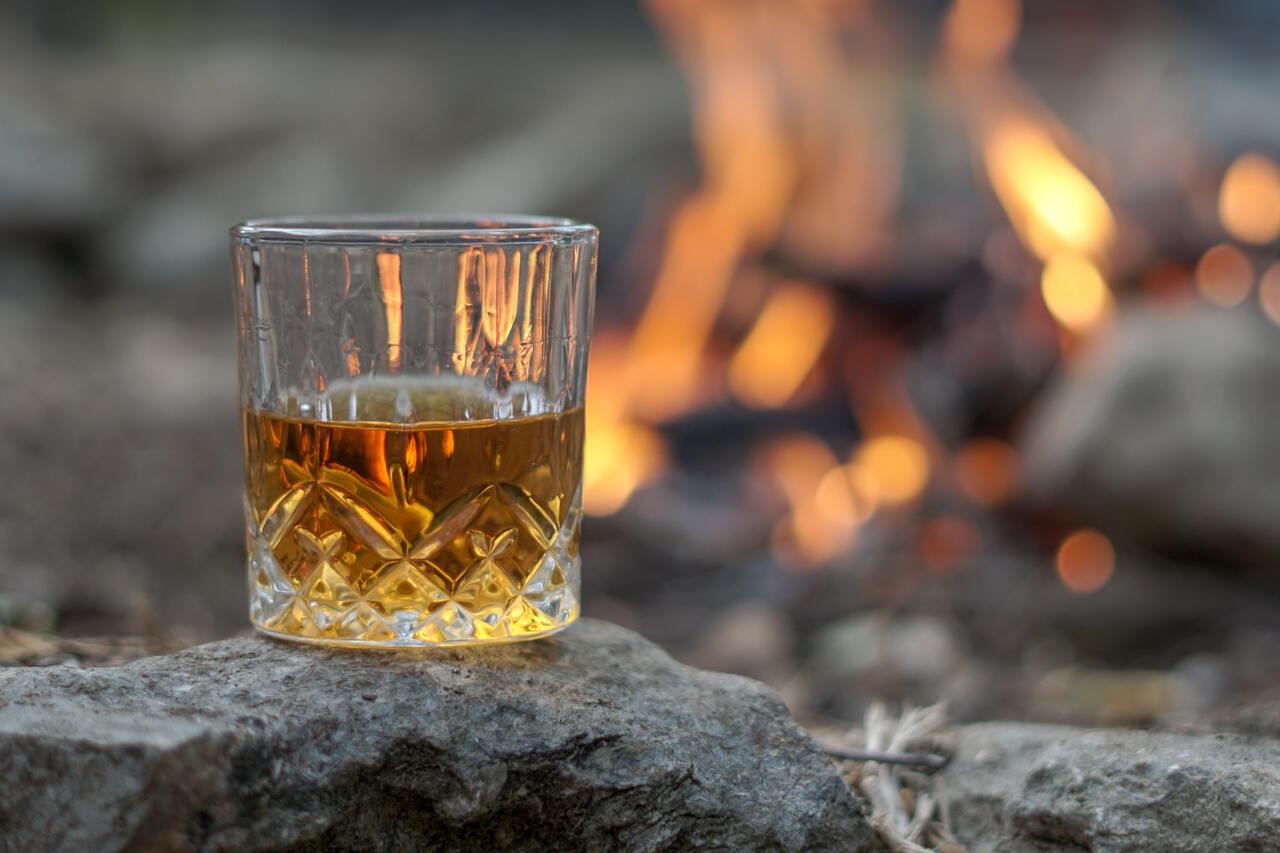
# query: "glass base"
[401,644]
[535,611]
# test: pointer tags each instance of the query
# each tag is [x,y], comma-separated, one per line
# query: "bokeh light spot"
[1086,561]
[1224,276]
[1269,293]
[896,464]
[986,471]
[1249,200]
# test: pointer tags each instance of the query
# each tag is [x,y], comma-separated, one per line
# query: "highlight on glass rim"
[577,425]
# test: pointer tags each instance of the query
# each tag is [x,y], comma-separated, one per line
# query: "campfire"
[781,302]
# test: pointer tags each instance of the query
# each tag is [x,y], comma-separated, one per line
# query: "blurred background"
[936,357]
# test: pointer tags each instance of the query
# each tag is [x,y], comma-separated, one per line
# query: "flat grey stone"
[1021,787]
[591,740]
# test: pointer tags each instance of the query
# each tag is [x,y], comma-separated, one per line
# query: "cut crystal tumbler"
[412,395]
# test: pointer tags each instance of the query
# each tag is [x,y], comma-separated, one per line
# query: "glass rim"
[420,229]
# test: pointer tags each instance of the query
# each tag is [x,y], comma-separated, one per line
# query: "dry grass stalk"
[909,810]
[29,648]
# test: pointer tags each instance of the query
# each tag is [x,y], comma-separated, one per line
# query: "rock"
[175,242]
[620,114]
[1022,787]
[1115,697]
[1257,715]
[900,658]
[98,545]
[591,740]
[919,648]
[1165,433]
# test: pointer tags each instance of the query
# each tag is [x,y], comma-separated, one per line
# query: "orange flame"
[620,455]
[1075,293]
[747,176]
[1053,207]
[786,156]
[782,346]
[619,459]
[778,162]
[666,351]
[1056,211]
[980,32]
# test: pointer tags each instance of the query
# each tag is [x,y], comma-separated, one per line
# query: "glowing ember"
[782,346]
[986,470]
[1167,282]
[1075,293]
[1085,561]
[1224,276]
[1249,201]
[1269,293]
[896,464]
[1052,205]
[946,541]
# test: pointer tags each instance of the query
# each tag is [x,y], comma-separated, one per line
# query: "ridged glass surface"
[413,429]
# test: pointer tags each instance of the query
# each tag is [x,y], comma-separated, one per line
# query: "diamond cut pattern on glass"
[410,598]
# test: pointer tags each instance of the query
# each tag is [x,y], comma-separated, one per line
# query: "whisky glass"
[412,393]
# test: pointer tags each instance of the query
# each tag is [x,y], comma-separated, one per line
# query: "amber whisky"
[432,532]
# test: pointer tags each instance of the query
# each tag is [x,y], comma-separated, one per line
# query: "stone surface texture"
[590,740]
[1164,433]
[1023,787]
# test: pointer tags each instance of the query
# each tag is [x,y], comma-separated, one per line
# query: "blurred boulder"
[54,175]
[123,435]
[1115,697]
[1257,715]
[1165,432]
[912,648]
[175,242]
[913,658]
[751,639]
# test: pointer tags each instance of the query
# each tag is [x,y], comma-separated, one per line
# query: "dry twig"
[907,810]
[925,761]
